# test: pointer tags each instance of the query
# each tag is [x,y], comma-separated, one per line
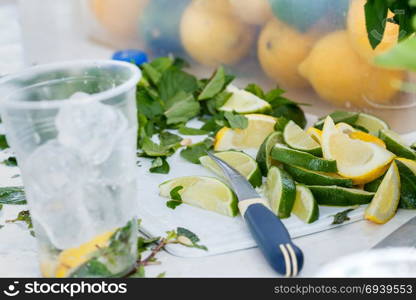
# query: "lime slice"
[386,200]
[413,146]
[316,178]
[259,127]
[338,117]
[371,123]
[395,144]
[203,192]
[244,102]
[280,189]
[305,207]
[407,170]
[356,159]
[240,161]
[298,139]
[264,158]
[340,196]
[302,159]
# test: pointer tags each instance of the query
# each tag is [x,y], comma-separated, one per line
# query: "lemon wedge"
[358,160]
[259,127]
[385,202]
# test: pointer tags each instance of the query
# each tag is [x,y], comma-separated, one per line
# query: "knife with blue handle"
[266,228]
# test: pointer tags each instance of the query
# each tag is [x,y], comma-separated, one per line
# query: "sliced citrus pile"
[259,127]
[298,139]
[358,160]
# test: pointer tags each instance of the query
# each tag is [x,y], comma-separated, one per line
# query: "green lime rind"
[371,123]
[253,174]
[302,159]
[264,159]
[309,177]
[338,117]
[396,145]
[280,190]
[305,207]
[407,186]
[208,193]
[296,138]
[340,196]
[413,146]
[373,186]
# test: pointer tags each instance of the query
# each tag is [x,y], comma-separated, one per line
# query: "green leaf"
[175,81]
[147,105]
[10,162]
[214,86]
[169,139]
[191,131]
[161,275]
[181,108]
[160,166]
[402,56]
[91,268]
[281,123]
[152,149]
[194,152]
[23,216]
[175,197]
[255,90]
[12,195]
[235,120]
[342,216]
[3,142]
[143,244]
[291,112]
[188,238]
[376,17]
[140,273]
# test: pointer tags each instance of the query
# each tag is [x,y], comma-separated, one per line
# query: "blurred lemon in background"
[119,17]
[357,32]
[255,12]
[212,35]
[281,49]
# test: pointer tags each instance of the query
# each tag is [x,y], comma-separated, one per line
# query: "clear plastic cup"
[73,127]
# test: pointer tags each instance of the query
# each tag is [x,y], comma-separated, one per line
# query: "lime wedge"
[407,170]
[340,196]
[371,123]
[386,200]
[280,189]
[395,144]
[305,207]
[244,102]
[264,158]
[203,192]
[316,178]
[298,139]
[302,159]
[240,161]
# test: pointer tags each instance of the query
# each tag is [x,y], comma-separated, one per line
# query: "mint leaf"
[160,166]
[175,81]
[92,267]
[255,90]
[147,105]
[281,123]
[214,85]
[23,216]
[376,18]
[169,139]
[235,120]
[342,217]
[191,131]
[194,152]
[3,142]
[188,238]
[175,197]
[181,108]
[143,244]
[152,149]
[12,195]
[10,162]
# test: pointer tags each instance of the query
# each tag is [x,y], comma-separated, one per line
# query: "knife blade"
[266,228]
[404,236]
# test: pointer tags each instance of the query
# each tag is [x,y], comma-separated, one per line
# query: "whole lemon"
[213,36]
[281,49]
[357,31]
[340,76]
[119,17]
[256,12]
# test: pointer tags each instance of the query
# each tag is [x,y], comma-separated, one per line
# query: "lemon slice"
[315,133]
[305,207]
[72,258]
[396,144]
[244,102]
[371,123]
[259,127]
[204,192]
[384,205]
[358,160]
[280,189]
[296,138]
[240,161]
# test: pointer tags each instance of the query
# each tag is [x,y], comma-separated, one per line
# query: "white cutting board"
[219,233]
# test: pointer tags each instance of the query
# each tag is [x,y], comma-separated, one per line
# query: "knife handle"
[272,238]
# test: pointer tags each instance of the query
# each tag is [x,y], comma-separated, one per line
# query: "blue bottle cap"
[137,57]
